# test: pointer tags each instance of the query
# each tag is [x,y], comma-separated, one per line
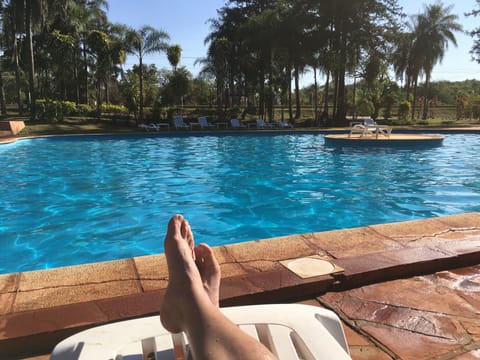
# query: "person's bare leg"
[188,306]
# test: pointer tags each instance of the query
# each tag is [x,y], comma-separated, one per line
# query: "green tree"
[174,53]
[145,41]
[475,34]
[434,29]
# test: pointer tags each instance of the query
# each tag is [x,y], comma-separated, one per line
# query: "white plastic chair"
[179,123]
[236,124]
[202,120]
[290,331]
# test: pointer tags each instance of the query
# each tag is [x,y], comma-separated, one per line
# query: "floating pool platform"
[402,140]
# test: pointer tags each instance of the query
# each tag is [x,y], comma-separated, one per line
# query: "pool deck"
[408,290]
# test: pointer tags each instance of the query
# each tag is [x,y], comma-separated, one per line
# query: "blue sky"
[186,21]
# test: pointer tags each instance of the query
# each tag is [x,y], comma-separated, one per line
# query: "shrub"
[114,109]
[404,109]
[68,107]
[83,109]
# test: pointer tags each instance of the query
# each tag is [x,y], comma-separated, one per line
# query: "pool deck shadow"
[408,290]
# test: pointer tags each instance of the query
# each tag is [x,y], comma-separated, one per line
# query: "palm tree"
[144,41]
[475,33]
[434,30]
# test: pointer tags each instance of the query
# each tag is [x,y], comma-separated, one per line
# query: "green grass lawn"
[77,126]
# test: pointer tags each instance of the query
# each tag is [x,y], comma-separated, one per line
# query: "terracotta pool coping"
[38,309]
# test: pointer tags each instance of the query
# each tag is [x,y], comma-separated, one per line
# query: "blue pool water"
[72,200]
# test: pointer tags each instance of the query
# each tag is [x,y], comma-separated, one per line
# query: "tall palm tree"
[475,33]
[145,41]
[435,28]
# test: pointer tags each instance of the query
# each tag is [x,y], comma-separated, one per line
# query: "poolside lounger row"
[203,123]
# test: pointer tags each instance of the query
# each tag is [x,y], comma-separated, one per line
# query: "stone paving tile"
[338,243]
[8,283]
[152,271]
[410,345]
[417,318]
[97,273]
[6,303]
[465,220]
[407,231]
[52,297]
[472,355]
[263,255]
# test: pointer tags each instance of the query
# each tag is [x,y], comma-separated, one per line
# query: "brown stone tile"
[354,338]
[8,283]
[152,271]
[466,220]
[49,320]
[352,242]
[96,273]
[229,267]
[409,345]
[369,352]
[237,290]
[419,293]
[420,322]
[390,265]
[6,303]
[462,247]
[407,231]
[130,306]
[471,355]
[472,326]
[51,297]
[286,247]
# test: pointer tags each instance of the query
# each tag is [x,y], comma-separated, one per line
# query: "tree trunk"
[298,111]
[17,77]
[3,106]
[414,101]
[290,105]
[425,98]
[31,70]
[85,69]
[315,96]
[141,90]
[326,94]
[335,95]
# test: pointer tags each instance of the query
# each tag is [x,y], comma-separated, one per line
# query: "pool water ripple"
[74,200]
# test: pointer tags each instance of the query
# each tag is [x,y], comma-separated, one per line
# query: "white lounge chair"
[370,127]
[236,124]
[179,123]
[284,124]
[202,120]
[290,331]
[148,127]
[262,124]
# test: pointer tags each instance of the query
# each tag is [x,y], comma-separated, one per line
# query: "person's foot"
[187,278]
[209,271]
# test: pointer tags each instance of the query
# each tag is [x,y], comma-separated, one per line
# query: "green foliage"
[475,107]
[174,53]
[365,107]
[404,109]
[114,109]
[83,109]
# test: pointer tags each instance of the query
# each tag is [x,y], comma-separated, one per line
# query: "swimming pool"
[72,200]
